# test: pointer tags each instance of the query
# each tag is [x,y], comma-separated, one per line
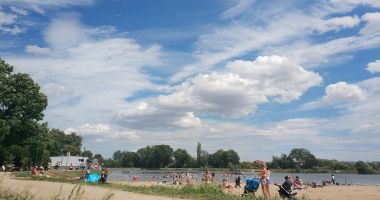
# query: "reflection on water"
[156,175]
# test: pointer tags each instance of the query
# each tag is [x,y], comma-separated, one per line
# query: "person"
[268,181]
[297,183]
[225,185]
[286,189]
[71,167]
[333,179]
[3,168]
[212,176]
[237,182]
[264,175]
[103,176]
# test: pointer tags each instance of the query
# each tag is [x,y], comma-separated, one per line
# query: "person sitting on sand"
[287,185]
[225,185]
[297,183]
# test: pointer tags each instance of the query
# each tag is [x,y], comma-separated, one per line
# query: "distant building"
[65,161]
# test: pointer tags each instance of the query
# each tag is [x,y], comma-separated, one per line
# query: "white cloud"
[237,9]
[189,120]
[92,77]
[343,91]
[272,32]
[66,32]
[39,5]
[373,3]
[34,49]
[374,67]
[19,11]
[6,18]
[373,24]
[339,95]
[233,93]
[103,132]
[338,23]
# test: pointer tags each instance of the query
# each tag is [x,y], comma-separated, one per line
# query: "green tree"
[303,158]
[363,168]
[224,159]
[99,157]
[117,155]
[162,156]
[61,143]
[145,157]
[87,153]
[156,156]
[182,158]
[283,162]
[129,159]
[22,134]
[199,154]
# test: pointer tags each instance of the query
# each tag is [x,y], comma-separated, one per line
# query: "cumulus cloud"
[343,91]
[188,120]
[340,95]
[233,93]
[374,67]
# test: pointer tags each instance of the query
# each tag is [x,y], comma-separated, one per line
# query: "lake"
[159,175]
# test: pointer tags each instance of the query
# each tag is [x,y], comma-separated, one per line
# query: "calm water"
[152,175]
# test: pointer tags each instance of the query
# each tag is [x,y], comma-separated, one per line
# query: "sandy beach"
[44,190]
[325,193]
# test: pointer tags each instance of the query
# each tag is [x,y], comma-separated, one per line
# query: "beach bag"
[93,178]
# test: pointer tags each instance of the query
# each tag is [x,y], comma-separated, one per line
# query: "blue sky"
[260,77]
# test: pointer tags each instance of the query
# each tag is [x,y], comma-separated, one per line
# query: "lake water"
[157,175]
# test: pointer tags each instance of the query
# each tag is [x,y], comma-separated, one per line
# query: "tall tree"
[129,159]
[303,158]
[61,143]
[22,134]
[182,158]
[199,153]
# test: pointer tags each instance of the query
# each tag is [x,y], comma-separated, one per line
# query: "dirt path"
[44,190]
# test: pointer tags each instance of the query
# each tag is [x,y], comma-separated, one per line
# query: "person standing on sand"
[268,181]
[263,176]
[333,179]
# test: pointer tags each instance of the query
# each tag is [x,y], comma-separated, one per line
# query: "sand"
[44,190]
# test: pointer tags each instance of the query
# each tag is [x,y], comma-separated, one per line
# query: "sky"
[260,77]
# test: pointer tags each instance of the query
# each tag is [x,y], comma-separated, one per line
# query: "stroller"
[284,194]
[251,186]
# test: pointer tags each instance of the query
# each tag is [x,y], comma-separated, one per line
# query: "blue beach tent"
[93,178]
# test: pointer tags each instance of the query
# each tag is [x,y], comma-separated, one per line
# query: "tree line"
[26,140]
[164,156]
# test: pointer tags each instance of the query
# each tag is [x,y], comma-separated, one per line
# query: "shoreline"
[95,191]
